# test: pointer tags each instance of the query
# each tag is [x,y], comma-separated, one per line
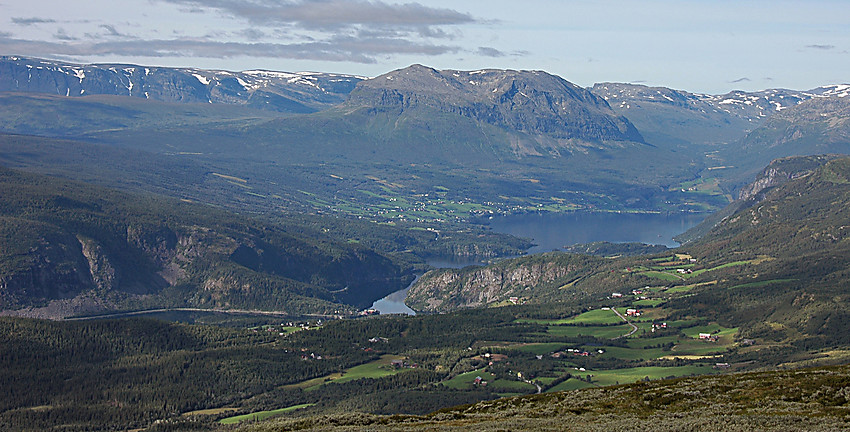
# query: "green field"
[632,353]
[375,369]
[596,316]
[540,348]
[571,384]
[261,415]
[603,332]
[629,375]
[662,275]
[467,381]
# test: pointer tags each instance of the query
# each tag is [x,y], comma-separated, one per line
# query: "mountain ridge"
[300,92]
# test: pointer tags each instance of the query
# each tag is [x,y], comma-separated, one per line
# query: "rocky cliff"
[449,289]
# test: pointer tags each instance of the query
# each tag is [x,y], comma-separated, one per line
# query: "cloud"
[821,47]
[361,31]
[31,21]
[110,30]
[252,34]
[739,80]
[61,34]
[334,14]
[489,52]
[343,48]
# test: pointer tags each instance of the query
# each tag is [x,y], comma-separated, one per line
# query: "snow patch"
[202,79]
[270,74]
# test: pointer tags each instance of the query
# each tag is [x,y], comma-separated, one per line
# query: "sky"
[705,46]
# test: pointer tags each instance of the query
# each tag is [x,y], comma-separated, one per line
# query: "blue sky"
[710,46]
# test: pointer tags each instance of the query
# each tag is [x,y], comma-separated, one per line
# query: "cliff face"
[448,289]
[782,171]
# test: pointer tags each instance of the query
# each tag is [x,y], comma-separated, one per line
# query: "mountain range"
[267,90]
[128,188]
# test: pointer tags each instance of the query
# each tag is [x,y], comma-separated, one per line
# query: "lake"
[554,231]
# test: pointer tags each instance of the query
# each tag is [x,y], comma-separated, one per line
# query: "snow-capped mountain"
[669,116]
[300,92]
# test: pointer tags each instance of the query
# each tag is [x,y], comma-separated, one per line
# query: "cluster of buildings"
[576,353]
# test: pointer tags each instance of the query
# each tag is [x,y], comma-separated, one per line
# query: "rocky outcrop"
[780,172]
[103,273]
[449,289]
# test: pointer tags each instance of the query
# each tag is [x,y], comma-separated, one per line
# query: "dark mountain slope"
[70,248]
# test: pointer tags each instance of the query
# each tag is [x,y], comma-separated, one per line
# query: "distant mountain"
[301,92]
[68,248]
[531,102]
[671,116]
[777,173]
[816,126]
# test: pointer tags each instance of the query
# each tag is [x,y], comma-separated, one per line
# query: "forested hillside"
[71,248]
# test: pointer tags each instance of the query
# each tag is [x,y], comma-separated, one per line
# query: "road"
[634,327]
[227,311]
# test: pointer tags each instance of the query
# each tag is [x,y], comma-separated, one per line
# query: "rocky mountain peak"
[531,102]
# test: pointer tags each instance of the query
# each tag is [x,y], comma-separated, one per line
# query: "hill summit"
[531,102]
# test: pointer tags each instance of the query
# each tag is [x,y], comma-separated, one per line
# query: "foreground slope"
[799,400]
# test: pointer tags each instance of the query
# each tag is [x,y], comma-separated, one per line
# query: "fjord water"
[554,231]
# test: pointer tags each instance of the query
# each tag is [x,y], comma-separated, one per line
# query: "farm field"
[261,415]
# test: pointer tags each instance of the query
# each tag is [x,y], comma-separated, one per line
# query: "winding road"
[634,327]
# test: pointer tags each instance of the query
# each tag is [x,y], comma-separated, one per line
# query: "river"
[554,231]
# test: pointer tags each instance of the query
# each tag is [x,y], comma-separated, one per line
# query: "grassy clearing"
[669,277]
[571,384]
[640,343]
[467,381]
[602,332]
[375,369]
[713,328]
[630,375]
[722,266]
[597,316]
[761,284]
[650,302]
[633,354]
[261,415]
[540,348]
[212,411]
